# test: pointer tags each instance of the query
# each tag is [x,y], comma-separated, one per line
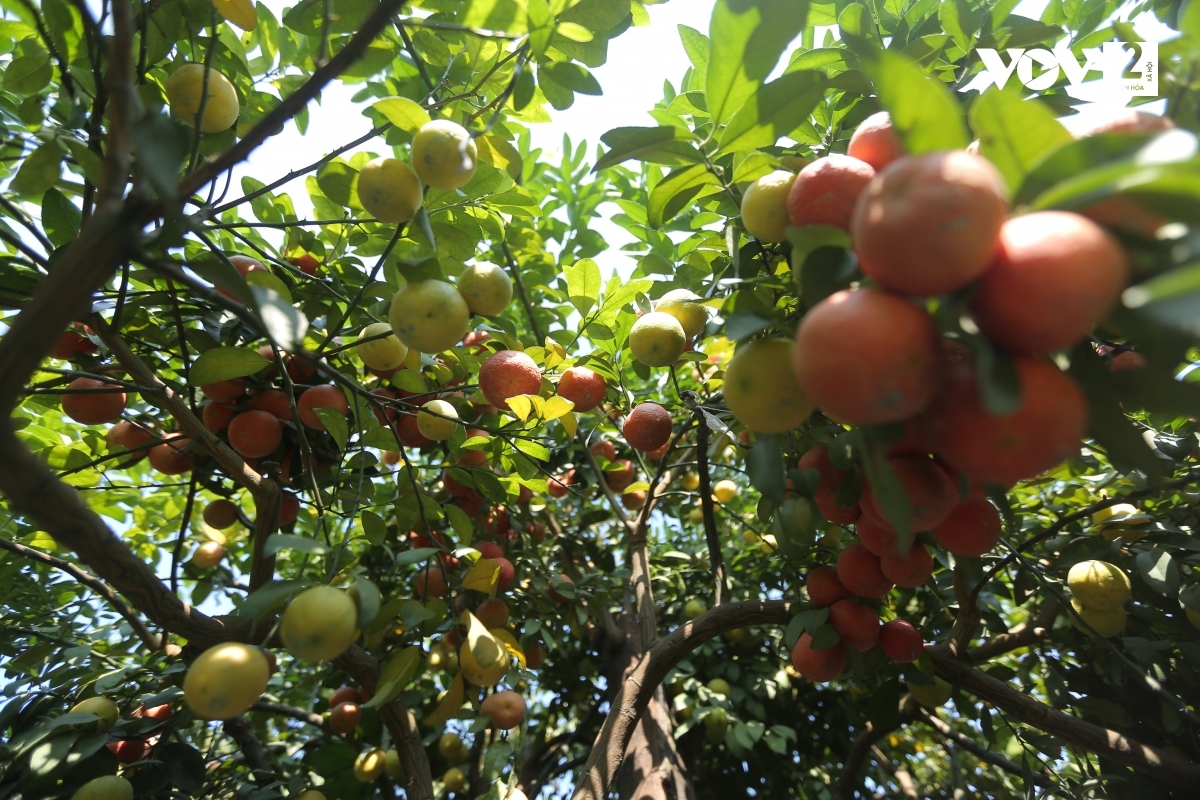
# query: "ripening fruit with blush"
[1002,449]
[208,555]
[444,154]
[818,666]
[128,436]
[867,357]
[186,87]
[382,354]
[620,475]
[324,396]
[901,641]
[390,191]
[275,403]
[928,225]
[764,206]
[657,339]
[344,717]
[96,403]
[830,485]
[507,374]
[106,787]
[173,456]
[430,582]
[255,434]
[687,307]
[71,345]
[583,387]
[306,263]
[875,141]
[429,316]
[648,427]
[221,514]
[506,709]
[225,680]
[824,587]
[860,572]
[879,538]
[761,391]
[1055,276]
[931,492]
[825,191]
[224,391]
[102,707]
[437,428]
[1099,585]
[492,612]
[858,625]
[487,289]
[319,624]
[217,416]
[343,694]
[973,528]
[909,570]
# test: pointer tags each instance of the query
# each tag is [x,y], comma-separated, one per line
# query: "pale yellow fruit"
[725,490]
[311,794]
[103,708]
[1120,521]
[696,516]
[393,766]
[690,481]
[185,87]
[429,316]
[454,780]
[444,154]
[686,307]
[208,555]
[436,428]
[381,354]
[719,687]
[1112,513]
[225,680]
[761,390]
[1106,622]
[450,745]
[370,764]
[487,289]
[657,339]
[319,624]
[389,190]
[480,675]
[1098,585]
[240,12]
[694,608]
[931,696]
[109,787]
[764,207]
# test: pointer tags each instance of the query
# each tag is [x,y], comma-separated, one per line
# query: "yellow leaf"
[449,705]
[521,406]
[413,359]
[483,576]
[640,486]
[501,155]
[539,405]
[486,649]
[536,353]
[557,406]
[240,12]
[569,422]
[510,644]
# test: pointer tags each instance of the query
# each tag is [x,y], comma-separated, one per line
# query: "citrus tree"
[872,472]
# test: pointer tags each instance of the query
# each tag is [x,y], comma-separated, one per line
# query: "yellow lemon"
[381,354]
[764,206]
[389,190]
[436,428]
[1098,585]
[109,787]
[429,316]
[725,490]
[225,680]
[319,624]
[444,154]
[486,288]
[185,88]
[240,12]
[761,390]
[103,708]
[370,764]
[1106,622]
[686,307]
[657,339]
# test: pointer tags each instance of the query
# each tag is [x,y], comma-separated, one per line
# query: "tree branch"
[312,718]
[983,753]
[865,744]
[256,757]
[711,537]
[1027,633]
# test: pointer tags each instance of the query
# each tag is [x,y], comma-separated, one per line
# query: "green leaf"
[161,144]
[405,114]
[583,284]
[574,31]
[764,466]
[269,280]
[1016,133]
[336,180]
[365,595]
[416,556]
[924,111]
[1159,570]
[677,190]
[461,523]
[40,170]
[226,363]
[496,15]
[572,76]
[747,39]
[774,111]
[335,423]
[697,47]
[28,74]
[277,542]
[999,383]
[282,321]
[396,673]
[886,488]
[60,217]
[272,595]
[665,144]
[374,528]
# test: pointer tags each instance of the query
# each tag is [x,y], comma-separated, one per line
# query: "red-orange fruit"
[299,371]
[345,694]
[824,588]
[858,625]
[973,528]
[1126,360]
[506,709]
[901,641]
[221,514]
[931,492]
[508,374]
[909,570]
[93,408]
[72,344]
[867,357]
[410,435]
[324,396]
[928,225]
[128,751]
[344,718]
[129,435]
[1002,449]
[603,447]
[1056,274]
[556,486]
[621,478]
[431,582]
[493,612]
[306,263]
[818,666]
[829,486]
[274,402]
[508,574]
[658,453]
[474,458]
[217,416]
[859,571]
[289,509]
[535,655]
[583,387]
[1130,120]
[552,591]
[880,539]
[648,427]
[383,409]
[244,265]
[255,434]
[224,391]
[173,456]
[875,141]
[825,191]
[490,549]
[633,500]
